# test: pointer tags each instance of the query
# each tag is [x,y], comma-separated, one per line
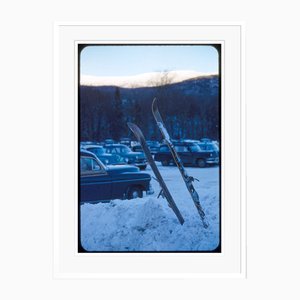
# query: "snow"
[141,80]
[149,224]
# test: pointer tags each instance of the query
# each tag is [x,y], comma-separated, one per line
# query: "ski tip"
[135,129]
[132,126]
[156,112]
[154,105]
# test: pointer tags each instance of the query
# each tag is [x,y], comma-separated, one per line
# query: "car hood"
[106,155]
[136,154]
[117,169]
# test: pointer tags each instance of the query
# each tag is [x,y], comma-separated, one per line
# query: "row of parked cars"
[110,170]
[114,154]
[199,153]
[191,152]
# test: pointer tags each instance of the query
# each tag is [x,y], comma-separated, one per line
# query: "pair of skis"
[187,179]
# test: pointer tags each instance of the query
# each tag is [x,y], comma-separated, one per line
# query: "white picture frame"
[68,263]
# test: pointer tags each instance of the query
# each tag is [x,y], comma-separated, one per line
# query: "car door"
[183,153]
[95,182]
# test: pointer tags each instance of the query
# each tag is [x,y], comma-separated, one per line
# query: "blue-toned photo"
[149,148]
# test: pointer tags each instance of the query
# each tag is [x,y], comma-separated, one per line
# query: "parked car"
[190,141]
[133,158]
[153,146]
[125,141]
[189,153]
[103,183]
[108,141]
[137,148]
[205,140]
[209,146]
[91,143]
[106,158]
[133,143]
[217,145]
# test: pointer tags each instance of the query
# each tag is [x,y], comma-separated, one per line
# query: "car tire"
[201,163]
[135,192]
[143,168]
[165,163]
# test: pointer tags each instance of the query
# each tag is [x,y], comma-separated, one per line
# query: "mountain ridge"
[152,79]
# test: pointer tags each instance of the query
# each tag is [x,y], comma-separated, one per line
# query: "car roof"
[181,144]
[87,153]
[92,146]
[115,145]
[205,143]
[190,141]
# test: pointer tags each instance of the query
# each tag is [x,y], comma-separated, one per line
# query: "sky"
[132,60]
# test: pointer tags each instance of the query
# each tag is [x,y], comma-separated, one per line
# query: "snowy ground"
[149,224]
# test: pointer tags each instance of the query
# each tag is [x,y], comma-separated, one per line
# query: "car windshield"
[207,147]
[181,148]
[152,143]
[195,148]
[216,147]
[97,150]
[88,165]
[164,149]
[124,149]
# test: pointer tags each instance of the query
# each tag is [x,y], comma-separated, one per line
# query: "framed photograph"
[149,165]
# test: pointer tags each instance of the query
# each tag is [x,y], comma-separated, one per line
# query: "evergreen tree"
[137,113]
[117,118]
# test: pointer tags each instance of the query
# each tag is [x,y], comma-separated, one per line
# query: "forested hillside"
[190,109]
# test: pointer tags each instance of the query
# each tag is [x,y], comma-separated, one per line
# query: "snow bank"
[149,224]
[141,225]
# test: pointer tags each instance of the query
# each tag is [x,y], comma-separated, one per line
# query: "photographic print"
[149,148]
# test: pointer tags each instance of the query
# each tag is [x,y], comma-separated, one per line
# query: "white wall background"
[272,77]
